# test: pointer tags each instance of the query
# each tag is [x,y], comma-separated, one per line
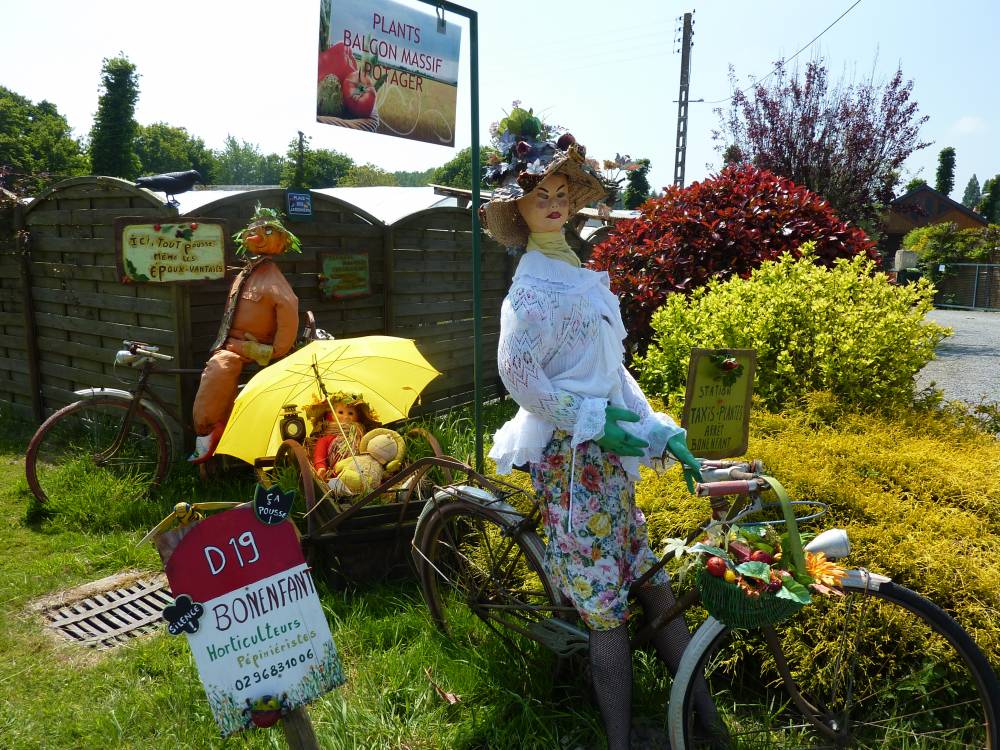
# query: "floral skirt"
[597,543]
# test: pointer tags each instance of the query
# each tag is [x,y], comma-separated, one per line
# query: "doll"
[259,325]
[381,453]
[561,358]
[338,433]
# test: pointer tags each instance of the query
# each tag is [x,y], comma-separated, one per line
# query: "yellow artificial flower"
[582,587]
[824,571]
[600,524]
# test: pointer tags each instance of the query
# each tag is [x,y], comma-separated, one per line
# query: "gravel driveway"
[967,367]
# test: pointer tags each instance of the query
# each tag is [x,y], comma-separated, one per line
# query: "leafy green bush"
[844,329]
[941,244]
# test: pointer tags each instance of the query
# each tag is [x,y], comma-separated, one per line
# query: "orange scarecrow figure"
[259,325]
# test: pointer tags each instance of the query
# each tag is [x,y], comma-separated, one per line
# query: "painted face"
[546,208]
[346,412]
[266,240]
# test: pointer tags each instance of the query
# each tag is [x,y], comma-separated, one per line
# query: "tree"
[36,145]
[415,179]
[972,193]
[944,178]
[914,184]
[313,168]
[725,226]
[242,163]
[112,138]
[637,186]
[989,204]
[165,148]
[458,171]
[846,142]
[367,175]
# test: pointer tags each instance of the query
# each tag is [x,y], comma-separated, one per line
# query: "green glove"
[615,439]
[677,445]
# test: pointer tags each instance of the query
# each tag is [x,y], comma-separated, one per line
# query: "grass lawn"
[920,496]
[147,694]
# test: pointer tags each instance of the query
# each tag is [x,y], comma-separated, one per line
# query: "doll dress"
[561,357]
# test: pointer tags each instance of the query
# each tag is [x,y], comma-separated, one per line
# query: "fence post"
[975,285]
[23,247]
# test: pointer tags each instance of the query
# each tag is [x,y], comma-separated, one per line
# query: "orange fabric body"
[267,310]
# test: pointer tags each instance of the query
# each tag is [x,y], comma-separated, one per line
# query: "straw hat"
[527,161]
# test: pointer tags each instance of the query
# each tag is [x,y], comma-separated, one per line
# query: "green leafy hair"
[270,217]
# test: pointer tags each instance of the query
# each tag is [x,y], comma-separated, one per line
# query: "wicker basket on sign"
[731,605]
[368,124]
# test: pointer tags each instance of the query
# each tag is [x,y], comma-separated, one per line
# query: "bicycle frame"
[138,394]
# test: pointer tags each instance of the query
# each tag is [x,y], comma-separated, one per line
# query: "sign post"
[717,402]
[245,599]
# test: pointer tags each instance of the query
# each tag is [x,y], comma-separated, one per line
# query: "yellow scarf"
[553,245]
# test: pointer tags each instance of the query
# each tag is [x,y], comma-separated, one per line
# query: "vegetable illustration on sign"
[387,68]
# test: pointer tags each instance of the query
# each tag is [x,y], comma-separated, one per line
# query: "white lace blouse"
[561,358]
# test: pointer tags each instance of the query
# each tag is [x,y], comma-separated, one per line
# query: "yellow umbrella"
[386,372]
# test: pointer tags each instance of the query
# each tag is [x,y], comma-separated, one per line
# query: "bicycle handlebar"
[138,353]
[731,487]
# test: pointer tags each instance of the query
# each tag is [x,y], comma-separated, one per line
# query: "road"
[967,367]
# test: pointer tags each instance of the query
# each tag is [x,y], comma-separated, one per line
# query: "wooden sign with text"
[717,402]
[344,275]
[246,602]
[182,250]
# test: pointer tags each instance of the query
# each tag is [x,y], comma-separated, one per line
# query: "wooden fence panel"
[81,310]
[420,287]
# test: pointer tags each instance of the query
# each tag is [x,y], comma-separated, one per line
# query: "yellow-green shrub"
[919,495]
[844,329]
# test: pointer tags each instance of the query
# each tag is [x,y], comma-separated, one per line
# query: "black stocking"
[611,673]
[670,641]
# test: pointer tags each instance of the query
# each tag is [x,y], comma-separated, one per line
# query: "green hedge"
[845,329]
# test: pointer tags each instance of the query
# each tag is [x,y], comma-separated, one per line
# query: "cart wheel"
[293,471]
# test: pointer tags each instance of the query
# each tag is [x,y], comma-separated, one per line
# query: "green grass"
[147,694]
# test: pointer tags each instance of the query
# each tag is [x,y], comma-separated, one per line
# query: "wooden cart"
[363,538]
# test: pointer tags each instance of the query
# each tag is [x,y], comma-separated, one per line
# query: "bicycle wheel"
[880,668]
[80,440]
[482,577]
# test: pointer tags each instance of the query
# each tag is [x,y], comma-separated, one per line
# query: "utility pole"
[682,102]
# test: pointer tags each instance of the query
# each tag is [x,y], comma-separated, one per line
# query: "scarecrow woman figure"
[561,357]
[259,325]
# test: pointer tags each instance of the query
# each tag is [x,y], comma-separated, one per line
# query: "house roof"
[913,196]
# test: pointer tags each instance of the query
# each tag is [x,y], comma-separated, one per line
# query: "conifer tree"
[112,139]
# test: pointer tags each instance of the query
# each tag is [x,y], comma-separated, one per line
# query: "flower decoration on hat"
[527,156]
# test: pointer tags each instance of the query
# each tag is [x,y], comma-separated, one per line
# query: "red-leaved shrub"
[727,225]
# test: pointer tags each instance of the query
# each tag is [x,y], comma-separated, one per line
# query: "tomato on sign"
[246,602]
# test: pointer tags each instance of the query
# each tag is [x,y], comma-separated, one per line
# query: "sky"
[606,71]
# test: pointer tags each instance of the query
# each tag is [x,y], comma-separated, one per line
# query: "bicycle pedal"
[560,636]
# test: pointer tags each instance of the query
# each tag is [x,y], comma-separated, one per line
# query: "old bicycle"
[879,667]
[127,432]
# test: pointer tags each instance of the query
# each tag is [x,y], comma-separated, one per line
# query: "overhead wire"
[782,63]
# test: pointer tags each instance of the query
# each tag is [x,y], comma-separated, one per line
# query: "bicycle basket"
[729,603]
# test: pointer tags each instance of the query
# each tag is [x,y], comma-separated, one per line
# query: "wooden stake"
[299,732]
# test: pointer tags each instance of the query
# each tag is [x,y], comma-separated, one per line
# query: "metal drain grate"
[109,612]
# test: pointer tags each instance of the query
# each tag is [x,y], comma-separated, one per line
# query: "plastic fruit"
[730,576]
[759,555]
[716,566]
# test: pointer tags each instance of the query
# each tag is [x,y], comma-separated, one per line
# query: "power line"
[782,63]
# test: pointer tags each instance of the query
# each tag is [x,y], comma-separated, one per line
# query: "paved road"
[967,367]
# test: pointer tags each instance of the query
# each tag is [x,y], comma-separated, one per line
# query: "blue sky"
[604,70]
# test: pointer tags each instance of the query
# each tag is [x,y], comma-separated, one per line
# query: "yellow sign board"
[717,402]
[182,250]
